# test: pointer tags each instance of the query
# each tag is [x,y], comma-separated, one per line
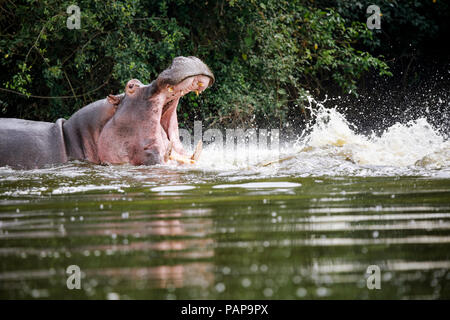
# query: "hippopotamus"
[138,127]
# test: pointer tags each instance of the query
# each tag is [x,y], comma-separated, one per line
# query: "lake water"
[305,224]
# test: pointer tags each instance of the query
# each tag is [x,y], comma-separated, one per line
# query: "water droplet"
[301,292]
[113,296]
[246,282]
[387,276]
[322,292]
[220,287]
[268,292]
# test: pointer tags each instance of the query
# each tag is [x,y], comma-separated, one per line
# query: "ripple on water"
[238,229]
[171,188]
[259,185]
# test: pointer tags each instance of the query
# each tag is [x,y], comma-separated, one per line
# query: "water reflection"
[135,234]
[165,276]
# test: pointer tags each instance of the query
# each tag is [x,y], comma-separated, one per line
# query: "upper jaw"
[197,83]
[183,68]
[184,75]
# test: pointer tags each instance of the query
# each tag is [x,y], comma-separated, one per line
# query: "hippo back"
[82,130]
[26,144]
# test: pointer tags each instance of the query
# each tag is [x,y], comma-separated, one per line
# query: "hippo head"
[145,124]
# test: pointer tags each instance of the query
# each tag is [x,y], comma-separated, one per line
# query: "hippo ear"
[132,85]
[114,100]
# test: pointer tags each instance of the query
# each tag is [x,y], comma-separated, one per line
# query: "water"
[245,224]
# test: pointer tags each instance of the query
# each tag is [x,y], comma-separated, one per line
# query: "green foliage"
[266,55]
[21,79]
[406,25]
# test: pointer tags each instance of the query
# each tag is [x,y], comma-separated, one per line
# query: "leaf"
[281,91]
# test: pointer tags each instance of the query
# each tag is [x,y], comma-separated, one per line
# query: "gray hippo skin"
[139,127]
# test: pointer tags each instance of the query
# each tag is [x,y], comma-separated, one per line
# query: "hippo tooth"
[170,89]
[168,153]
[200,84]
[198,151]
[196,92]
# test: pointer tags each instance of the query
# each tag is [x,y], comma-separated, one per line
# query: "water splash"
[328,146]
[400,145]
[331,145]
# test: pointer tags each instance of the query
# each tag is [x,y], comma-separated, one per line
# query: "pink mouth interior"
[168,113]
[169,121]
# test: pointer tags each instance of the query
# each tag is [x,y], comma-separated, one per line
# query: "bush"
[265,55]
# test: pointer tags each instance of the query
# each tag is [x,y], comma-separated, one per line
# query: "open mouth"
[169,111]
[169,120]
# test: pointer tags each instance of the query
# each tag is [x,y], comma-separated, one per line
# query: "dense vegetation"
[266,55]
